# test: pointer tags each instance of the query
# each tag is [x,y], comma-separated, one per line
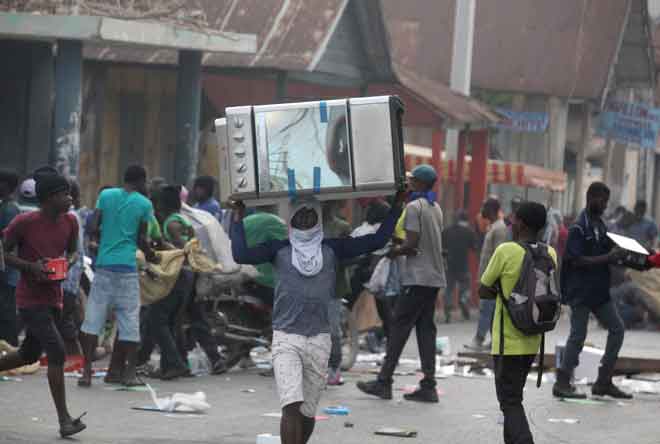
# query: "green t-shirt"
[153,229]
[122,213]
[259,228]
[505,265]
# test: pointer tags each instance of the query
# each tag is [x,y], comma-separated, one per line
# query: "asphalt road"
[467,412]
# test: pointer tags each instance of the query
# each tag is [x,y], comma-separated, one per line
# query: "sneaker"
[376,388]
[422,395]
[334,377]
[600,389]
[566,391]
[72,426]
[477,344]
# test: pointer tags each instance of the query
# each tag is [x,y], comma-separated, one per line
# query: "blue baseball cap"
[425,173]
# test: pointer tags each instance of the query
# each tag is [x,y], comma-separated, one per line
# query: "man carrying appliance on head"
[306,267]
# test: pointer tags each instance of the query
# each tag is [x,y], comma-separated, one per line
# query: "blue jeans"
[486,313]
[121,292]
[609,317]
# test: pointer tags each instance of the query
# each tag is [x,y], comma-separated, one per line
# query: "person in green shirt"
[162,316]
[513,366]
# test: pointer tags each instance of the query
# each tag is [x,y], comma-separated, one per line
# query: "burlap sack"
[366,313]
[157,280]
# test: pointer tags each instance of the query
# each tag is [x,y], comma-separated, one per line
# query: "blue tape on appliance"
[323,109]
[291,174]
[317,180]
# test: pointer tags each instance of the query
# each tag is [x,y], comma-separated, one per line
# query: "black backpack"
[534,305]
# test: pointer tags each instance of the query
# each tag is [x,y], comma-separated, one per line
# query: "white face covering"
[306,245]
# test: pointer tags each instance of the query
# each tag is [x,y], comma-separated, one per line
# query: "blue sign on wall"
[627,122]
[522,122]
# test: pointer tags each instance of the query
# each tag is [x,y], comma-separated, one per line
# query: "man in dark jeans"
[519,350]
[423,276]
[586,288]
[458,240]
[8,277]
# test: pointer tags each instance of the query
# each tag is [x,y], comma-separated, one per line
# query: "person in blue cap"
[423,275]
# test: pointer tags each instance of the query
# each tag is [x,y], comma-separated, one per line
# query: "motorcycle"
[239,312]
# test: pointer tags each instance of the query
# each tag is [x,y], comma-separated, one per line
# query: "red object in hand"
[655,260]
[57,269]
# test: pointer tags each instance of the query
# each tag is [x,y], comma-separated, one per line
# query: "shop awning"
[499,172]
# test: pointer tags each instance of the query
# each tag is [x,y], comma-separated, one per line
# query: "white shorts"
[300,364]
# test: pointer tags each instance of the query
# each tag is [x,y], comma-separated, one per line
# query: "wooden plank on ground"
[624,365]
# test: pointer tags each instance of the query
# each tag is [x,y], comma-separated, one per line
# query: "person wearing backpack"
[513,278]
[585,287]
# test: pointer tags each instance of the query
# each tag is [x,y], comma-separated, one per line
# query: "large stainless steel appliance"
[333,149]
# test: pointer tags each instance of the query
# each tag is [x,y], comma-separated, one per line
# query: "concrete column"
[65,154]
[459,196]
[630,178]
[188,103]
[556,140]
[580,171]
[437,146]
[40,108]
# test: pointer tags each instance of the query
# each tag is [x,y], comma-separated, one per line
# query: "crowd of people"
[309,265]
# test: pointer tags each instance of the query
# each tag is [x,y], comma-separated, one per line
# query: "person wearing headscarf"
[306,269]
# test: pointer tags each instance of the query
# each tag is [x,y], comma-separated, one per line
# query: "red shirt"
[39,237]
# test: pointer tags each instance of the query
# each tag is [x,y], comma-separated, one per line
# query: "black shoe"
[422,395]
[112,379]
[566,391]
[174,373]
[609,389]
[71,427]
[376,388]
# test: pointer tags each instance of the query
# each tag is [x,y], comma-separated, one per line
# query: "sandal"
[72,427]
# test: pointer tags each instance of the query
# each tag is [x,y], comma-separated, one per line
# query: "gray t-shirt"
[427,268]
[496,235]
[307,315]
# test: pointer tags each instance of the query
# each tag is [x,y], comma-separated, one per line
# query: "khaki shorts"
[300,364]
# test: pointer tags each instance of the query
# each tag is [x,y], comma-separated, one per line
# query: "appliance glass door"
[298,138]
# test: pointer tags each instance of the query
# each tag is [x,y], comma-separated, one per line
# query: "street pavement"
[467,412]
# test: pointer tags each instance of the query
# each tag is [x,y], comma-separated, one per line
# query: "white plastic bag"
[378,280]
[180,402]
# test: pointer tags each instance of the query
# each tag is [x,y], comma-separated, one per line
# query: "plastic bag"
[378,281]
[393,286]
